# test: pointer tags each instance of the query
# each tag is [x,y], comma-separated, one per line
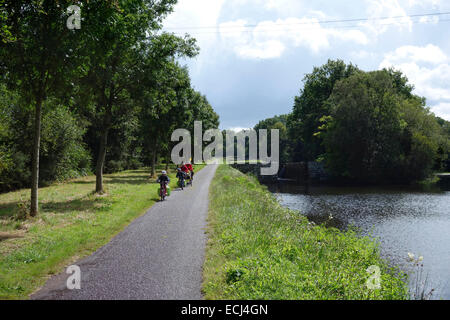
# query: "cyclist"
[191,170]
[187,172]
[181,176]
[184,168]
[163,180]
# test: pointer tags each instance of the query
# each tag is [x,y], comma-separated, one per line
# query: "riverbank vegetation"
[74,222]
[365,127]
[259,250]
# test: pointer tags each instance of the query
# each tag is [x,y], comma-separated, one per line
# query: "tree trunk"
[101,162]
[107,121]
[167,160]
[35,161]
[154,163]
[102,153]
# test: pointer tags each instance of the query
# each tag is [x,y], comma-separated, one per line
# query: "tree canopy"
[75,101]
[364,126]
[377,131]
[309,107]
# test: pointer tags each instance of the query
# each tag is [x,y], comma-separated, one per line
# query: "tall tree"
[378,131]
[443,158]
[277,122]
[158,106]
[310,107]
[172,104]
[37,60]
[120,45]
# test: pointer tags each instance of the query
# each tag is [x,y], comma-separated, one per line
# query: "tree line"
[99,99]
[365,127]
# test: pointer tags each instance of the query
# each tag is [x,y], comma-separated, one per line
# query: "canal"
[403,220]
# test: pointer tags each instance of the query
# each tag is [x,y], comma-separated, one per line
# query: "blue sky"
[255,53]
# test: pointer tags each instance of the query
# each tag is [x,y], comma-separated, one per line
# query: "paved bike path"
[158,256]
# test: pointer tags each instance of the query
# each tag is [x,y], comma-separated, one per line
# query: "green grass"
[260,250]
[73,222]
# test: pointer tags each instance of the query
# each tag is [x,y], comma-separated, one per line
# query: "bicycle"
[162,190]
[190,178]
[181,182]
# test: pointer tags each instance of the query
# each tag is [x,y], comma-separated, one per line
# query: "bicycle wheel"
[162,194]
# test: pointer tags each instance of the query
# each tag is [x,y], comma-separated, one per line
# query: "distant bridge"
[297,172]
[443,176]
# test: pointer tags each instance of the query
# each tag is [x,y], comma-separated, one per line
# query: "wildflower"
[411,256]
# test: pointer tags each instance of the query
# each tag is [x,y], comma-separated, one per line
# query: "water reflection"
[403,220]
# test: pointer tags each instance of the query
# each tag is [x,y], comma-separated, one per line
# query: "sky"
[255,53]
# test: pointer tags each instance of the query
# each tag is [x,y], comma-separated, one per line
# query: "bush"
[134,164]
[113,166]
[62,154]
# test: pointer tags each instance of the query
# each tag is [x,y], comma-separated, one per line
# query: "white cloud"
[428,68]
[429,20]
[262,50]
[401,9]
[362,55]
[282,7]
[386,8]
[297,25]
[194,13]
[430,4]
[429,53]
[244,45]
[190,16]
[269,39]
[442,109]
[238,129]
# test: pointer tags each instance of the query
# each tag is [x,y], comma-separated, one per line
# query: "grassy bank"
[73,222]
[260,250]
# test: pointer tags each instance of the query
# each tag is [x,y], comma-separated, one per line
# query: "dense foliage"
[309,108]
[102,98]
[63,152]
[278,123]
[377,132]
[365,127]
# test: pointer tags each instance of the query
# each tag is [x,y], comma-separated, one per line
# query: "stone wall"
[255,169]
[294,171]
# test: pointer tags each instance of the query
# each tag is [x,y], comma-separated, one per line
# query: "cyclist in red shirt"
[184,168]
[191,170]
[188,170]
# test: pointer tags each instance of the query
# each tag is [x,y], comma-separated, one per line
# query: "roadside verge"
[259,250]
[73,223]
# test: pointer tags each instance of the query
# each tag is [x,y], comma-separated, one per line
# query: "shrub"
[62,155]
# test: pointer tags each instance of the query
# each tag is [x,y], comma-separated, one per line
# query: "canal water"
[403,220]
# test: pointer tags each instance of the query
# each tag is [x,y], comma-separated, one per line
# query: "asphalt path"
[158,256]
